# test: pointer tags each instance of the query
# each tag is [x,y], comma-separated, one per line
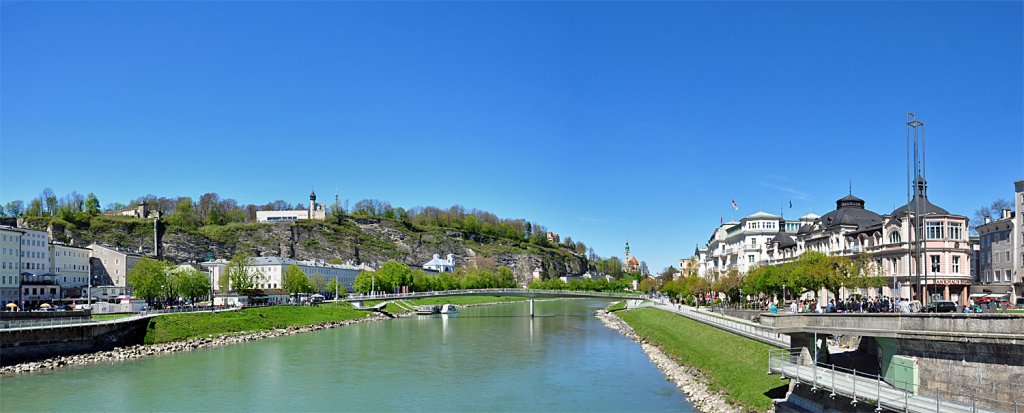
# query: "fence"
[899,396]
[743,327]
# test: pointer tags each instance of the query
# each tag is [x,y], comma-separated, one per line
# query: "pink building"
[851,230]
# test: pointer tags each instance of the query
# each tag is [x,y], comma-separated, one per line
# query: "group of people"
[849,305]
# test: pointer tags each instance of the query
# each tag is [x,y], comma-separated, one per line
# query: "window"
[935,230]
[894,237]
[750,258]
[956,264]
[955,231]
[1007,256]
[935,263]
[895,265]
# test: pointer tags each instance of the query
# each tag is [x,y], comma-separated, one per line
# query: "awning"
[978,295]
[997,295]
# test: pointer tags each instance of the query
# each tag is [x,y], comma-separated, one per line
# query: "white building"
[437,264]
[35,252]
[70,264]
[743,245]
[851,230]
[10,265]
[315,211]
[269,271]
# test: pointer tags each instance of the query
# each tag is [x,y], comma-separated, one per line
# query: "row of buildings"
[35,270]
[957,266]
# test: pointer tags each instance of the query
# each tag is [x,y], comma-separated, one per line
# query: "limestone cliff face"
[370,241]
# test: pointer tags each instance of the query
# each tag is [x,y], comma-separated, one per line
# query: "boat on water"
[449,309]
[428,309]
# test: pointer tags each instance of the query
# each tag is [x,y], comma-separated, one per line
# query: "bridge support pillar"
[531,307]
[808,343]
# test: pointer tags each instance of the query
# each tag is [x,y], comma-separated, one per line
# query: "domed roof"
[926,205]
[784,240]
[810,217]
[850,211]
[761,215]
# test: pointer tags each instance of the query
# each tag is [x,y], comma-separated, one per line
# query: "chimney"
[988,219]
[1006,213]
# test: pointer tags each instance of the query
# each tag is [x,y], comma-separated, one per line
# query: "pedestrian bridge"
[501,292]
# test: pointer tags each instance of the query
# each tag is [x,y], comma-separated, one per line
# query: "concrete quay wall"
[23,345]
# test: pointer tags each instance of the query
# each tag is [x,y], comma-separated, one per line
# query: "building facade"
[315,211]
[35,252]
[10,266]
[110,266]
[70,265]
[1001,252]
[37,290]
[437,264]
[851,230]
[269,271]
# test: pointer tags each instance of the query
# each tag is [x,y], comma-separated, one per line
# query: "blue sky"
[603,121]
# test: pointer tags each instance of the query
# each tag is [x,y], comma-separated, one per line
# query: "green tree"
[239,277]
[92,205]
[335,287]
[184,215]
[148,278]
[365,282]
[192,284]
[295,281]
[15,208]
[318,282]
[35,208]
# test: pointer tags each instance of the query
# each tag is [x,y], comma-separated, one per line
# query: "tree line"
[393,276]
[151,279]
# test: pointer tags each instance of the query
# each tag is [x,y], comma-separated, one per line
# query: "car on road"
[941,307]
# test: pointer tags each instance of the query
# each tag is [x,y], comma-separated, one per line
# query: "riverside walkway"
[734,325]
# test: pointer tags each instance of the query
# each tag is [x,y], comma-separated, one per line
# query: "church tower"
[626,260]
[312,204]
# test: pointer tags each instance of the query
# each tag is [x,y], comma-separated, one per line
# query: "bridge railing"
[496,291]
[744,327]
[891,394]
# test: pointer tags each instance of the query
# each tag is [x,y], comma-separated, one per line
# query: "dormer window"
[894,237]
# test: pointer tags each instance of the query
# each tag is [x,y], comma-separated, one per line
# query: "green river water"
[489,358]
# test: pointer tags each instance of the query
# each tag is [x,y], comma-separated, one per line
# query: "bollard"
[938,402]
[906,400]
[974,403]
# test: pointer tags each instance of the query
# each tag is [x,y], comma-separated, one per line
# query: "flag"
[734,205]
[790,203]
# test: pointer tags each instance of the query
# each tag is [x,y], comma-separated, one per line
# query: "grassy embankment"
[616,306]
[733,365]
[174,327]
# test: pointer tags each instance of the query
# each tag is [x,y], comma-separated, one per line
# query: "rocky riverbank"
[141,350]
[687,379]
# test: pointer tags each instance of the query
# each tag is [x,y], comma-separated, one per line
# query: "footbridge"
[357,300]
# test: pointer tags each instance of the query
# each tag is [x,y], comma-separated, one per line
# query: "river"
[489,358]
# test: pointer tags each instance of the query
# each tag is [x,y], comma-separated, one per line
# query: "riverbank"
[689,381]
[729,365]
[189,344]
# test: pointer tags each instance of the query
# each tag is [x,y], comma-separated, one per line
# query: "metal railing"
[892,395]
[57,322]
[495,291]
[732,324]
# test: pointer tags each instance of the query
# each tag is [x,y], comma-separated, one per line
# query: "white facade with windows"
[70,264]
[110,266]
[315,211]
[269,272]
[10,265]
[438,264]
[35,252]
[745,244]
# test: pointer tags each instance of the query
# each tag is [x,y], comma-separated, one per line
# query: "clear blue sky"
[603,121]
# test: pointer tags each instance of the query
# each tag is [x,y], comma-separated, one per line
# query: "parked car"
[941,307]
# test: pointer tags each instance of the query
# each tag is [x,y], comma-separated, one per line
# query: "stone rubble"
[689,380]
[143,350]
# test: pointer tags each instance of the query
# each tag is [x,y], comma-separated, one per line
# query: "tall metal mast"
[918,251]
